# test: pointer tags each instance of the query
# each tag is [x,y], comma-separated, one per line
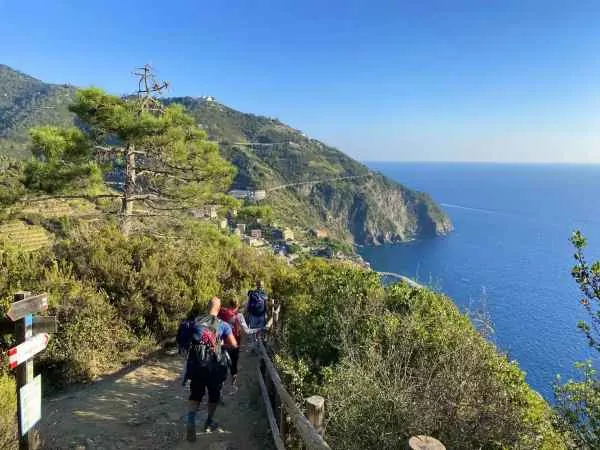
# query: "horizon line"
[548,163]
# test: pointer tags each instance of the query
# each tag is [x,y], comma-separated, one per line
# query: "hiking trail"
[144,407]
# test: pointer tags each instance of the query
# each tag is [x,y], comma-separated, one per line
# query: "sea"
[509,255]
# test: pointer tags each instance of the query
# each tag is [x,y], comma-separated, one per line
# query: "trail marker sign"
[20,357]
[28,305]
[41,324]
[26,350]
[44,324]
[30,404]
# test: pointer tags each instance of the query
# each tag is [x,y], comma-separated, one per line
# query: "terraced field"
[34,237]
[60,208]
[28,237]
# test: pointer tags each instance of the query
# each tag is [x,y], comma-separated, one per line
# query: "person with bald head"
[206,365]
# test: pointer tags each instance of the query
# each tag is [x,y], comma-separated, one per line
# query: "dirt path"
[145,409]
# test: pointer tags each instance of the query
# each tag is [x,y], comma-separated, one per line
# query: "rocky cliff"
[352,202]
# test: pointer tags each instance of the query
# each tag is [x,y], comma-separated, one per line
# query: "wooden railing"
[282,410]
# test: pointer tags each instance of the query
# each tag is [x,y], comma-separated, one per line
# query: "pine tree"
[160,159]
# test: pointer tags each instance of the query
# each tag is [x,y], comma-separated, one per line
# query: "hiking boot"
[211,425]
[191,432]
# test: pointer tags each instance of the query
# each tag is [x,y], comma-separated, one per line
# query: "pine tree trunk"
[128,190]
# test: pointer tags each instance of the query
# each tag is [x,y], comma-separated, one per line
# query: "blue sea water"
[509,250]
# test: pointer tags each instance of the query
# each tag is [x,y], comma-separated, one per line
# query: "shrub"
[91,338]
[8,423]
[403,362]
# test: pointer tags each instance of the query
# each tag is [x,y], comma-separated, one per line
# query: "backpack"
[229,315]
[257,304]
[205,348]
[185,334]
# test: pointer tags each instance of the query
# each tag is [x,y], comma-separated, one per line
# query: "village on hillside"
[273,237]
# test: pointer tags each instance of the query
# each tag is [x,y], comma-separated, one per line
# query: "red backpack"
[229,315]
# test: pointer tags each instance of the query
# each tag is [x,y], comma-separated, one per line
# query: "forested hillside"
[365,208]
[26,102]
[369,206]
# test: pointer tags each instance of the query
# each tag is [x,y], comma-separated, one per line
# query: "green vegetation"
[8,399]
[167,163]
[404,358]
[27,102]
[578,401]
[398,361]
[252,214]
[352,209]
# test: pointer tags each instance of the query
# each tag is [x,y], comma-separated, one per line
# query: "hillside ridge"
[267,153]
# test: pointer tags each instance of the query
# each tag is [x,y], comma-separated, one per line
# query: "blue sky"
[444,80]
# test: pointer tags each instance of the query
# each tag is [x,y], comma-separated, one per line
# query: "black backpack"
[205,350]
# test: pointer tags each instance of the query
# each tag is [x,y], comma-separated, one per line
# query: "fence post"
[422,442]
[315,412]
[282,419]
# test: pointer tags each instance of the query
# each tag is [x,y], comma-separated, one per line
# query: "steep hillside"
[25,102]
[367,207]
[352,203]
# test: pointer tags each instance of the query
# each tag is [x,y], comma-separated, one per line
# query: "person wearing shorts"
[208,378]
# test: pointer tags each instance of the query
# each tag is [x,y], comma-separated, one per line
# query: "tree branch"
[147,197]
[179,208]
[109,149]
[146,170]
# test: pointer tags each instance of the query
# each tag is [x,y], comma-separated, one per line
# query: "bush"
[152,281]
[8,414]
[578,401]
[402,362]
[91,338]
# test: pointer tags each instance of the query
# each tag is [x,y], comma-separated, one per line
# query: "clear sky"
[444,80]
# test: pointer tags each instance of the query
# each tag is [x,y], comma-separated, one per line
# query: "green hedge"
[402,361]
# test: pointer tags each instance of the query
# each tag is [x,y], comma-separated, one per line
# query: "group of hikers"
[210,341]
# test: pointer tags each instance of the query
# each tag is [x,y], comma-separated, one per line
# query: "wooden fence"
[282,410]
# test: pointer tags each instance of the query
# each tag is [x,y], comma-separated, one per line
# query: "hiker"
[185,334]
[230,314]
[256,307]
[206,365]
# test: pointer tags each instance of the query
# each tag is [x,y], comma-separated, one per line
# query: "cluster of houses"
[256,237]
[277,239]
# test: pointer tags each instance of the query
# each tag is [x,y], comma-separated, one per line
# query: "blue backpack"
[257,303]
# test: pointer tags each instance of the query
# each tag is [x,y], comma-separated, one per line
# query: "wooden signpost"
[32,335]
[27,305]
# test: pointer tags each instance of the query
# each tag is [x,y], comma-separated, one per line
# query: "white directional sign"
[19,309]
[27,349]
[31,404]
